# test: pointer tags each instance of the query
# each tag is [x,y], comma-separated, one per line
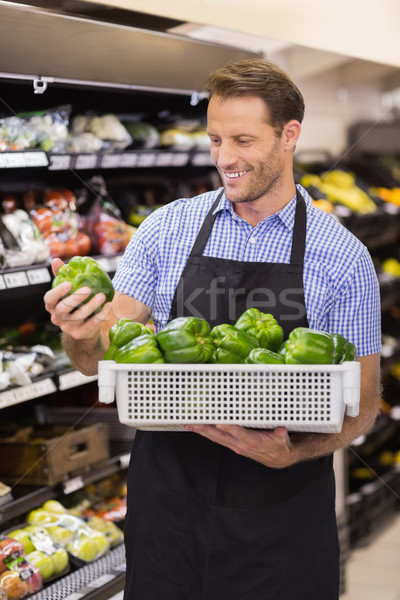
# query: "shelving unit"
[124,86]
[120,82]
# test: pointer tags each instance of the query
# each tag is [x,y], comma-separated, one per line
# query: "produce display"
[57,220]
[102,219]
[55,131]
[256,338]
[40,550]
[42,129]
[72,533]
[123,332]
[186,340]
[83,271]
[21,242]
[18,577]
[340,187]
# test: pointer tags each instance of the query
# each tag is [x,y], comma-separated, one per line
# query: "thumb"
[280,432]
[56,263]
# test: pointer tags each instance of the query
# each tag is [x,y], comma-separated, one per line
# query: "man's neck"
[258,210]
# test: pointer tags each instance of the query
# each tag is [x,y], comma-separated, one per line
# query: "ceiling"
[307,38]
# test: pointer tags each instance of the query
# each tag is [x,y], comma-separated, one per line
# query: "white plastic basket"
[167,396]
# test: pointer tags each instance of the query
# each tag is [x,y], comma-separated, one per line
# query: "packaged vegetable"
[72,533]
[102,219]
[33,248]
[59,224]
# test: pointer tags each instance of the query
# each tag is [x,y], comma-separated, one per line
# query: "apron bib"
[204,523]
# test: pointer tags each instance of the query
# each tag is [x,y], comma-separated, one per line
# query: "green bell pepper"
[343,349]
[264,356]
[263,326]
[143,349]
[231,345]
[83,271]
[186,340]
[123,332]
[309,346]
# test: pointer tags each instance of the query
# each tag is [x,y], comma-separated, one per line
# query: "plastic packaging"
[59,224]
[102,219]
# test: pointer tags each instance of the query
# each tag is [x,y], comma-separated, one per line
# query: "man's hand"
[271,448]
[75,322]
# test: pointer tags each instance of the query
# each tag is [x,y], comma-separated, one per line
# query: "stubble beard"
[266,181]
[265,178]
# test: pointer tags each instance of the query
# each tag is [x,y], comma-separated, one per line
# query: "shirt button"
[252,240]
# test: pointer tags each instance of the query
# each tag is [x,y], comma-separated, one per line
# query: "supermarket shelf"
[43,387]
[29,276]
[33,497]
[376,229]
[117,160]
[95,581]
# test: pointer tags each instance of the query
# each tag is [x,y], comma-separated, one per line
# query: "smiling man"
[226,512]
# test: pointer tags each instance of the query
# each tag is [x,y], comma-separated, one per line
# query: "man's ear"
[291,134]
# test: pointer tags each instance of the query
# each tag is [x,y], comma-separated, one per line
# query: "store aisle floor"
[373,571]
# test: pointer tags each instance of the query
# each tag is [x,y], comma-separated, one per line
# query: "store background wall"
[343,59]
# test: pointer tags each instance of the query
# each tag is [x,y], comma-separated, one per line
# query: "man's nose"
[226,156]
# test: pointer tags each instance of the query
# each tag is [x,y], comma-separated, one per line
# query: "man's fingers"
[56,263]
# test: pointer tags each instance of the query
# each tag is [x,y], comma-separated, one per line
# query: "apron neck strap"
[205,230]
[299,230]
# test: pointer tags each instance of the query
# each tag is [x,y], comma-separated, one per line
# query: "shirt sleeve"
[137,272]
[356,313]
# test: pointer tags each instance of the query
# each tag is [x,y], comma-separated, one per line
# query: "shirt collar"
[285,215]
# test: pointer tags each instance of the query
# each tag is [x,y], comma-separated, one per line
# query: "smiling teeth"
[237,174]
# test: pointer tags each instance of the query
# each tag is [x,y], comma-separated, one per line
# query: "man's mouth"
[234,174]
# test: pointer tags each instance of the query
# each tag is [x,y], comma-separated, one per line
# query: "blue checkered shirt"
[340,284]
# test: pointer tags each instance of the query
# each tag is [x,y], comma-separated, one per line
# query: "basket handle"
[106,381]
[351,387]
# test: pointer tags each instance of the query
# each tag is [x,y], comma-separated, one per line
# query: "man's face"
[245,148]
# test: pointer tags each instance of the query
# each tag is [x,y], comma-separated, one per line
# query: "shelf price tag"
[86,161]
[146,159]
[74,379]
[164,159]
[38,276]
[100,581]
[180,159]
[2,283]
[128,159]
[124,460]
[111,161]
[36,159]
[202,159]
[59,162]
[16,279]
[27,392]
[72,485]
[104,263]
[10,160]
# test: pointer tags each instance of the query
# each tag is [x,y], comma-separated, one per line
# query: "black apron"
[204,523]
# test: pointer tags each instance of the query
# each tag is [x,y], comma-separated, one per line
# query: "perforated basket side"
[306,400]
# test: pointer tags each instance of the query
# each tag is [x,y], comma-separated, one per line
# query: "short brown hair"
[262,78]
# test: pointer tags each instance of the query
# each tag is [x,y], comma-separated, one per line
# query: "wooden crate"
[49,454]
